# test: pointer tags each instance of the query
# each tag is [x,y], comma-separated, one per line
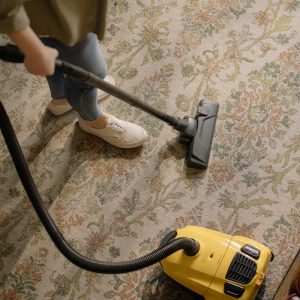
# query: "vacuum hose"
[190,246]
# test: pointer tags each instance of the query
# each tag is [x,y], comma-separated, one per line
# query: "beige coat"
[66,20]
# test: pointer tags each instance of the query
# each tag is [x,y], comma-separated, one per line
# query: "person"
[46,29]
[294,291]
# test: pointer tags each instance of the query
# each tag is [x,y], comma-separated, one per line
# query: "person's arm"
[14,22]
[39,59]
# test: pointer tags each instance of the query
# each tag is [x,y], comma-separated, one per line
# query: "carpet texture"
[116,204]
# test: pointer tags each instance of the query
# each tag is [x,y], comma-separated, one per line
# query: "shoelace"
[114,124]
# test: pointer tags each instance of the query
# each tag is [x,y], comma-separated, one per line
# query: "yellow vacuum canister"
[226,267]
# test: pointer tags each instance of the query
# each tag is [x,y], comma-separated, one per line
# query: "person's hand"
[41,61]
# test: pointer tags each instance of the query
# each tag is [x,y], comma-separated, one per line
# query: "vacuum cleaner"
[211,264]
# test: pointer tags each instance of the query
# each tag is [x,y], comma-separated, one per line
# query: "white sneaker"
[117,132]
[60,109]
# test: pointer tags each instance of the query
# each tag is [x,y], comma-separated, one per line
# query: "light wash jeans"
[88,55]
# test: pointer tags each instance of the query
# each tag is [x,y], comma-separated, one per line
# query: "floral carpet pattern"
[114,204]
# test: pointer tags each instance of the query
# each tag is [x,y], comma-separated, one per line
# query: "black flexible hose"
[190,246]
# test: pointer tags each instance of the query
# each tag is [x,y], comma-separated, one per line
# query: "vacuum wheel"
[261,292]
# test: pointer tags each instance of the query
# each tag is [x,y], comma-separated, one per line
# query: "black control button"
[233,290]
[251,251]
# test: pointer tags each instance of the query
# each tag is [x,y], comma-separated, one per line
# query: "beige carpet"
[113,204]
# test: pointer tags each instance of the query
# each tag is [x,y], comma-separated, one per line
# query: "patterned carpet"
[116,204]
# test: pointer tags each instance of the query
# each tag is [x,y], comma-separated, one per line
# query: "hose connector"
[193,247]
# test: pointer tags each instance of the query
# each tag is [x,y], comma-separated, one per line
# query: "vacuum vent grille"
[242,269]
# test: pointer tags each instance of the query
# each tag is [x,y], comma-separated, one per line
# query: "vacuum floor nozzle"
[199,135]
